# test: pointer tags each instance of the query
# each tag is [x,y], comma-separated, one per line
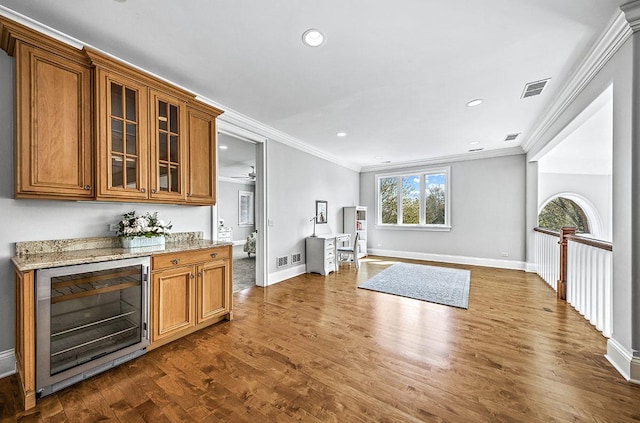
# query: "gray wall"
[622,72]
[487,213]
[295,180]
[28,220]
[228,207]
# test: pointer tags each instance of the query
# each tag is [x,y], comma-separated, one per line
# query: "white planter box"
[143,241]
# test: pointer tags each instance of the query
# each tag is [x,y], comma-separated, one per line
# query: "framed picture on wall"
[321,211]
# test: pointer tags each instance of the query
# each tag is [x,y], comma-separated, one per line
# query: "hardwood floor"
[318,349]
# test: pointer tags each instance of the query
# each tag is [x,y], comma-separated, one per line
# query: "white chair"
[349,254]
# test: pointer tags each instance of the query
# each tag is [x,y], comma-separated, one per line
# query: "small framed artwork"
[321,211]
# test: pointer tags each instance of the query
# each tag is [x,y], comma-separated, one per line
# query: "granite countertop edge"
[37,261]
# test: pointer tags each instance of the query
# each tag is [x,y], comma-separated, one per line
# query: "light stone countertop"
[69,252]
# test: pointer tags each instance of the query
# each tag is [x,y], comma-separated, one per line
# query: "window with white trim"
[414,200]
[245,208]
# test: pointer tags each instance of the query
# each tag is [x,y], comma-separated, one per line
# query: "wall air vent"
[534,88]
[282,261]
[511,137]
[475,149]
[296,258]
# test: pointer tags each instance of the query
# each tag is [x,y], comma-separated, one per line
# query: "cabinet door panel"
[202,157]
[121,118]
[54,125]
[213,290]
[173,298]
[168,147]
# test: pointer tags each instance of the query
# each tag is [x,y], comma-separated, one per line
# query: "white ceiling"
[394,76]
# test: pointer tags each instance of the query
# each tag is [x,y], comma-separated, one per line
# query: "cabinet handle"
[191,275]
[214,255]
[175,261]
[143,190]
[87,187]
[200,273]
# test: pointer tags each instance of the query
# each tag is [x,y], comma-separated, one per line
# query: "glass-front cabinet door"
[168,147]
[123,139]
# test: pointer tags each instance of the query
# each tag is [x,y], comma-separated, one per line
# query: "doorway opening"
[236,205]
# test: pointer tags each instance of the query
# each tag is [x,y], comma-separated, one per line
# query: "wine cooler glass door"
[89,315]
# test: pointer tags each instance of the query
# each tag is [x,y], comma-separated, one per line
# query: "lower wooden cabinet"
[172,303]
[25,350]
[189,290]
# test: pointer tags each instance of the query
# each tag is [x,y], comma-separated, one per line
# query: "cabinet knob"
[200,273]
[143,190]
[188,194]
[192,276]
[154,191]
[214,255]
[175,261]
[87,187]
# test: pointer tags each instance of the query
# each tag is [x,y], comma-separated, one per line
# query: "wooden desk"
[321,252]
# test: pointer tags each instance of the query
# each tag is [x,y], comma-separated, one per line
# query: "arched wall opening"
[578,165]
[593,219]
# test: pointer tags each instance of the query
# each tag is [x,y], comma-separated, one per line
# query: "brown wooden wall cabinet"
[122,134]
[189,291]
[53,125]
[139,138]
[201,183]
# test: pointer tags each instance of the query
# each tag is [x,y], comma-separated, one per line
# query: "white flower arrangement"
[143,226]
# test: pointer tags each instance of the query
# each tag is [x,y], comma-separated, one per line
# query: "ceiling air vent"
[511,137]
[534,88]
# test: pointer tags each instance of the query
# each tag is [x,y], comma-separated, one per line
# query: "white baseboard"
[624,361]
[285,274]
[474,261]
[7,363]
[531,267]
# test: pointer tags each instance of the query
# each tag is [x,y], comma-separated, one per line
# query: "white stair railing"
[548,256]
[589,281]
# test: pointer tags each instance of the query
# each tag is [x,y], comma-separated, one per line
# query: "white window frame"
[249,221]
[422,225]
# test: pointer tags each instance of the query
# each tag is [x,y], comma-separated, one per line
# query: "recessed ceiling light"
[313,38]
[476,102]
[223,147]
[341,134]
[474,143]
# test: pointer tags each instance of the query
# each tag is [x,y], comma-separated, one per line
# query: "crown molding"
[40,27]
[609,42]
[487,154]
[237,119]
[632,14]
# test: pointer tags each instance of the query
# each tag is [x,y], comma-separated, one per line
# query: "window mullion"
[422,218]
[399,189]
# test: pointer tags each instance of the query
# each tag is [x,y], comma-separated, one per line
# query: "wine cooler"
[90,318]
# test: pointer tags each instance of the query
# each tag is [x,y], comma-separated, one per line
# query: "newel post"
[562,282]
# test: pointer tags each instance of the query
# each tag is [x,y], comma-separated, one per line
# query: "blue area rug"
[439,285]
